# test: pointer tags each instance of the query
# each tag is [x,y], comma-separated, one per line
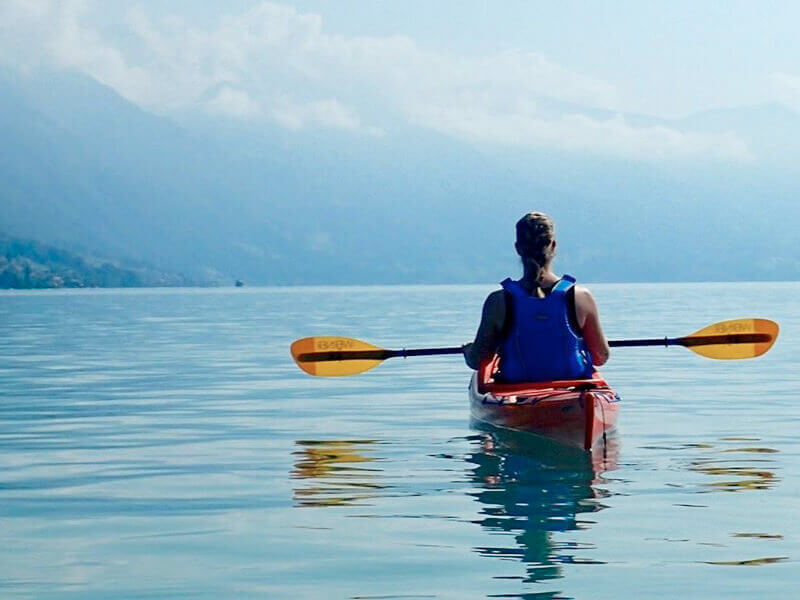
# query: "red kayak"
[576,412]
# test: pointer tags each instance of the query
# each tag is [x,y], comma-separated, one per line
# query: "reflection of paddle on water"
[530,488]
[339,471]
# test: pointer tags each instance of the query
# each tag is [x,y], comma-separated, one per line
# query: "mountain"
[88,171]
[770,131]
[26,264]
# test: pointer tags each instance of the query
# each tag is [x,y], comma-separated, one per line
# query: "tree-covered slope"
[27,264]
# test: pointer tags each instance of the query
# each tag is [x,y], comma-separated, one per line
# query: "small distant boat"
[239,283]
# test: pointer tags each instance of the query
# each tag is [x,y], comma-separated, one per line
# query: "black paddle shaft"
[375,354]
[700,340]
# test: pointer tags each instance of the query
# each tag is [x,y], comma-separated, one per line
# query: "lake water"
[162,444]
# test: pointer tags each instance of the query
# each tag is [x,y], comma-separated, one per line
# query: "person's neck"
[546,279]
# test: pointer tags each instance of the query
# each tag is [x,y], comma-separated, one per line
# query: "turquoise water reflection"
[159,444]
[529,489]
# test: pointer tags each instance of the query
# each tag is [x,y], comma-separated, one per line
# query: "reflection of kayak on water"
[577,413]
[531,487]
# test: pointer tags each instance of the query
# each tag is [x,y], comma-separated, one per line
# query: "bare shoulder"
[589,320]
[584,298]
[486,338]
[585,306]
[495,298]
[494,307]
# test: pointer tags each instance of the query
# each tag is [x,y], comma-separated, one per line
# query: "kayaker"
[543,326]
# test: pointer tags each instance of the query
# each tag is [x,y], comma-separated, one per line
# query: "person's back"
[540,342]
[543,327]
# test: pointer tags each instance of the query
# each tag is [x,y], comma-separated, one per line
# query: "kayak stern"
[577,413]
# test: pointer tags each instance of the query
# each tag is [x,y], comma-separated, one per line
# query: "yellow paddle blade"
[312,355]
[738,338]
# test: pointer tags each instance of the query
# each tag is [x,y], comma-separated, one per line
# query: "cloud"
[787,89]
[573,132]
[273,62]
[237,104]
[327,113]
[26,27]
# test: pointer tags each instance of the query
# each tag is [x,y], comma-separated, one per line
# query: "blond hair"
[535,235]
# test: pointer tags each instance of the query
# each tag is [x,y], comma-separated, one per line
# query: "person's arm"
[589,320]
[487,338]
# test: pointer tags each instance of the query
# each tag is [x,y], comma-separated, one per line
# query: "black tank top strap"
[509,314]
[572,311]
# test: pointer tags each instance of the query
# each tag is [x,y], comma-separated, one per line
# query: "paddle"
[329,356]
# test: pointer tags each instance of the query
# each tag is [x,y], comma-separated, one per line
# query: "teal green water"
[162,444]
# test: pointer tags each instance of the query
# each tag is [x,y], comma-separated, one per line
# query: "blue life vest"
[540,344]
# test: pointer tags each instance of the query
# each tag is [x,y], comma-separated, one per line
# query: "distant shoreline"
[328,286]
[28,264]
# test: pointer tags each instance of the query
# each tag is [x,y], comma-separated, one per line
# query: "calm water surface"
[161,444]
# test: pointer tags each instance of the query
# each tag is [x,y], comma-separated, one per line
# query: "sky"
[480,72]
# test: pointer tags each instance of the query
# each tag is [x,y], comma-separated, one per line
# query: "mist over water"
[160,443]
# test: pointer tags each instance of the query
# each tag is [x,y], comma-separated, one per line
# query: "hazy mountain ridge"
[86,170]
[27,264]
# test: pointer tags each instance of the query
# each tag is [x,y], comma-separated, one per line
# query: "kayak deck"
[573,412]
